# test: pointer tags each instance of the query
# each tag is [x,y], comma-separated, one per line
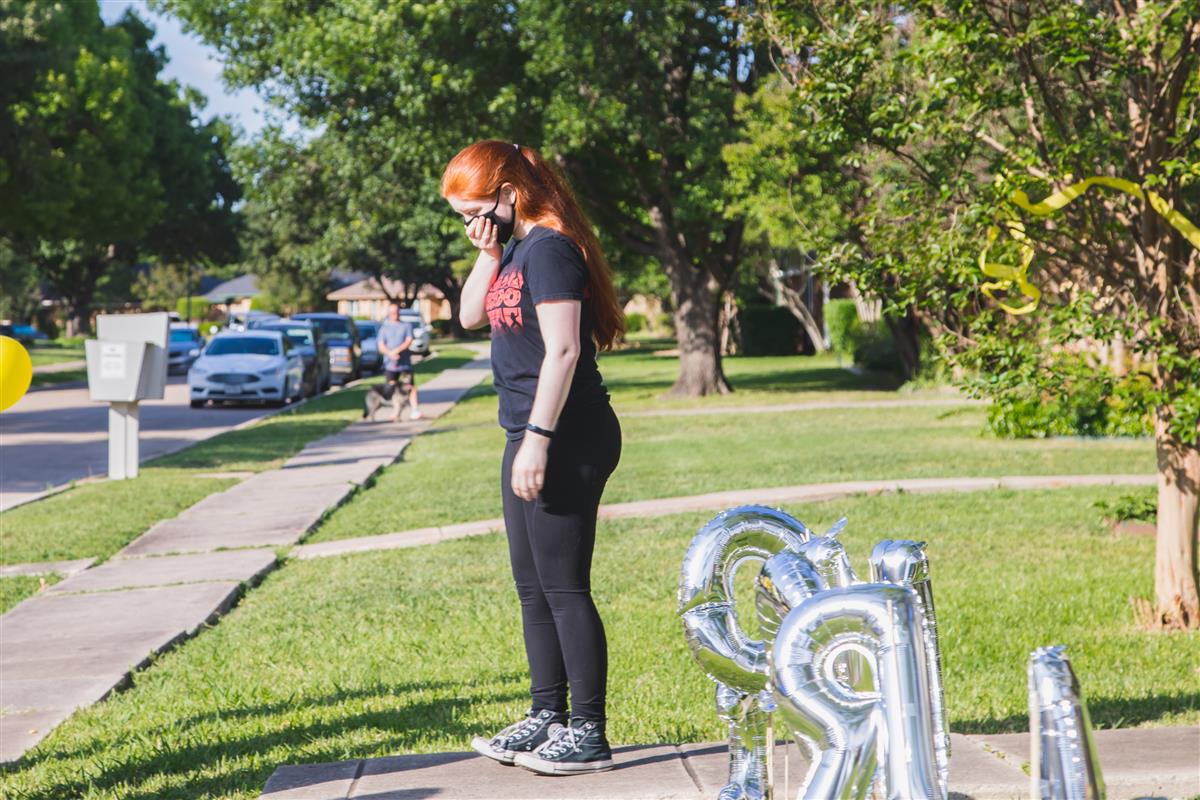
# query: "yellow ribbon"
[1006,275]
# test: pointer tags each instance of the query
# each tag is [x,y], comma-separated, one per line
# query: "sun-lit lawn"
[417,650]
[97,519]
[451,474]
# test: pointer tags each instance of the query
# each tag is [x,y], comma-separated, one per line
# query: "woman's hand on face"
[482,233]
[529,467]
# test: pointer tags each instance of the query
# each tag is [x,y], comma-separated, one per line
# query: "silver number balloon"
[724,651]
[855,732]
[1062,759]
[906,563]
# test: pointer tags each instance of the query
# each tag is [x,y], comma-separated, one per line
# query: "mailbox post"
[127,363]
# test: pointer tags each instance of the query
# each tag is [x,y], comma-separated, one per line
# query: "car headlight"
[272,371]
[194,352]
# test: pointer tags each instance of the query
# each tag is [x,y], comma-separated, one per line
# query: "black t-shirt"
[545,265]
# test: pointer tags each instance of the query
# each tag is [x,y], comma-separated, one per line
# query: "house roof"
[370,289]
[232,289]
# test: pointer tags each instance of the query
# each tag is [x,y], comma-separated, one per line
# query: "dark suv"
[345,349]
[305,335]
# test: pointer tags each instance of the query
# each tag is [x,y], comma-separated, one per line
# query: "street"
[54,436]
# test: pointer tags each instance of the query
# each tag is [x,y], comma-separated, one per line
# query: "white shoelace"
[516,729]
[561,741]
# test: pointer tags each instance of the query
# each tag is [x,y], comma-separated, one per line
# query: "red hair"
[544,198]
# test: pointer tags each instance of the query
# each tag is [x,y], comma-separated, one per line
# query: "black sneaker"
[520,737]
[578,747]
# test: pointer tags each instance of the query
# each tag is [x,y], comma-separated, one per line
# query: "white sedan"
[251,366]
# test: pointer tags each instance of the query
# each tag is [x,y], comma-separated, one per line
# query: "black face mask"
[504,230]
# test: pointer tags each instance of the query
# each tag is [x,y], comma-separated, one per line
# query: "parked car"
[345,349]
[245,320]
[368,333]
[184,344]
[250,366]
[421,331]
[306,337]
[27,334]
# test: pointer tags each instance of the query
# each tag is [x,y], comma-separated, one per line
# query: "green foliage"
[769,331]
[1141,506]
[888,143]
[841,319]
[1043,383]
[101,162]
[196,310]
[636,323]
[869,345]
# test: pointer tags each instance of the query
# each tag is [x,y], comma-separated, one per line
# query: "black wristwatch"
[540,431]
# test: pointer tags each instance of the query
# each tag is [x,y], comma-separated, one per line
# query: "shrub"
[199,308]
[665,322]
[636,323]
[841,318]
[769,331]
[1083,404]
[1141,506]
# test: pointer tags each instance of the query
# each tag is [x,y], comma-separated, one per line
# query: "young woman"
[549,299]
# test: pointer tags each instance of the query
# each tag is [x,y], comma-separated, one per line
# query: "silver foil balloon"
[1062,759]
[906,563]
[857,732]
[737,662]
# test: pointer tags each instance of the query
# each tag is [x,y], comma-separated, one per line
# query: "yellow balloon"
[16,371]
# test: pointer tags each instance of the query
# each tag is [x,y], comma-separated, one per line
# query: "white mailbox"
[126,364]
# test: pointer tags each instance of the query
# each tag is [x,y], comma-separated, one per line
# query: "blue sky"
[196,64]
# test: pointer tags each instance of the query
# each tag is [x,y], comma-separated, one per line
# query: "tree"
[640,134]
[110,163]
[935,116]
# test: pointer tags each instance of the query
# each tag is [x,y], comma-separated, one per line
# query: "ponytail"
[544,197]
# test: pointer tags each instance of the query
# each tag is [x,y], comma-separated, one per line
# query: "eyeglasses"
[467,223]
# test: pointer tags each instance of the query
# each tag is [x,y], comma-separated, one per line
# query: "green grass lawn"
[56,352]
[15,588]
[97,519]
[685,455]
[417,650]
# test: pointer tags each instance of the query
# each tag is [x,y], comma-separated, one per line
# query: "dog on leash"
[398,393]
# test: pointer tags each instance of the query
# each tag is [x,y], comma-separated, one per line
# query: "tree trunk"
[695,293]
[1177,603]
[906,332]
[79,316]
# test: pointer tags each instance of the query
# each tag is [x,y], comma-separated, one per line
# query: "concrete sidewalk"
[74,643]
[1142,762]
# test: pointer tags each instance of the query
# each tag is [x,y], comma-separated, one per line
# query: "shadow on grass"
[821,379]
[191,761]
[1105,712]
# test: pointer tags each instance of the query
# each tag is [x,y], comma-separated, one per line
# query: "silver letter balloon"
[1063,762]
[853,667]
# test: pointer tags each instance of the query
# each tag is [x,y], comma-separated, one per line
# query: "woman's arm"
[559,321]
[471,311]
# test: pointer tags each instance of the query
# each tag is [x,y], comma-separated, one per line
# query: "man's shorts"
[404,377]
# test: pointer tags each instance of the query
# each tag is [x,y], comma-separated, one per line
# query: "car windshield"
[334,328]
[243,345]
[367,330]
[302,336]
[181,335]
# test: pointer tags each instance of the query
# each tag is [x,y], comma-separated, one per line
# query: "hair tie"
[517,146]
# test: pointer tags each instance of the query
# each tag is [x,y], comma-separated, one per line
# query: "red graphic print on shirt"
[503,302]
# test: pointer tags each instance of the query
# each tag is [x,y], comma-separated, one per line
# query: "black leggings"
[550,543]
